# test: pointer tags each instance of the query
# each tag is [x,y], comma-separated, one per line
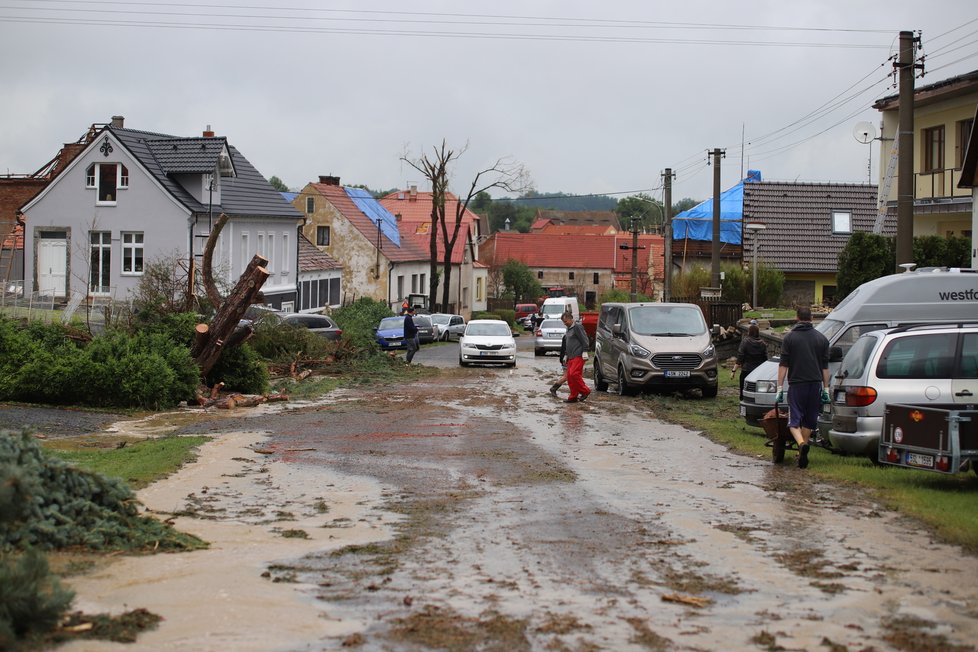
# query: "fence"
[716,312]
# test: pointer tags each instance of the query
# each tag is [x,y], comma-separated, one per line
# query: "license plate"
[743,410]
[923,461]
[485,353]
[677,374]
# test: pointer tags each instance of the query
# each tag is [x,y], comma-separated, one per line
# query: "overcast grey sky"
[592,97]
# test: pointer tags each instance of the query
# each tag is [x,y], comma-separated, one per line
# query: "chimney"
[208,133]
[329,180]
[413,193]
[118,121]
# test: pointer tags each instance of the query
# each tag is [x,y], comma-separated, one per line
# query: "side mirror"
[616,330]
[835,354]
[715,331]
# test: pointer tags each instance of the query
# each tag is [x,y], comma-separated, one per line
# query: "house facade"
[384,256]
[586,266]
[944,113]
[969,182]
[133,197]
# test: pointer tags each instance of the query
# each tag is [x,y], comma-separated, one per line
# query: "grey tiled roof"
[187,155]
[798,237]
[248,194]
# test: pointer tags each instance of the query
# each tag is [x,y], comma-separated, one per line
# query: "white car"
[487,340]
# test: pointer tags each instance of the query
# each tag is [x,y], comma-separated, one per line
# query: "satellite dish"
[864,132]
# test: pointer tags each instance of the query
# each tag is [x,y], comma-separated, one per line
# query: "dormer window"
[108,178]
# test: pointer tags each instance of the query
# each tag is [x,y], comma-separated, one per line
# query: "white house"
[132,197]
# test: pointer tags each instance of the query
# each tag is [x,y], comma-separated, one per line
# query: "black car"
[426,330]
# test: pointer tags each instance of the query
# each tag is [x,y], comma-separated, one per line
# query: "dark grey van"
[657,346]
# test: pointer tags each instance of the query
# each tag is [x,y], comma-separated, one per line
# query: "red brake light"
[539,333]
[860,396]
[943,463]
[892,455]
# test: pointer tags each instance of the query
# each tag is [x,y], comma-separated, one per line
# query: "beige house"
[944,113]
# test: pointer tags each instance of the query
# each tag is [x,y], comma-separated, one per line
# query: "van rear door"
[964,385]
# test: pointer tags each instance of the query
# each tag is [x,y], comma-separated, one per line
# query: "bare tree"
[504,174]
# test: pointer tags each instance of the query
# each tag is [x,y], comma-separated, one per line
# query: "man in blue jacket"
[805,361]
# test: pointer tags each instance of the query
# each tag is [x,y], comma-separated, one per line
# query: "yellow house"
[943,116]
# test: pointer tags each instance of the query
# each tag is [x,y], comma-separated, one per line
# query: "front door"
[52,264]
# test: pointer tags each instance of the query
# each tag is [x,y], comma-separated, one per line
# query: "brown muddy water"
[472,511]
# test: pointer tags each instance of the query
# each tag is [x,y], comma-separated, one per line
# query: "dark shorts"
[805,404]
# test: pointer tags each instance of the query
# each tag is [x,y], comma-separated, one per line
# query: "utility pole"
[717,154]
[634,247]
[905,190]
[667,208]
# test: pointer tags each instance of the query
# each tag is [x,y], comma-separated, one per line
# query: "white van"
[554,307]
[922,296]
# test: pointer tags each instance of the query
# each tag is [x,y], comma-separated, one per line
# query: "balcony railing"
[939,184]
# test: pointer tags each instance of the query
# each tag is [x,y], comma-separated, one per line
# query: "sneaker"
[572,400]
[803,457]
[553,390]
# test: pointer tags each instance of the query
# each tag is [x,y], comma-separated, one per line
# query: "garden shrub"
[359,320]
[241,369]
[276,341]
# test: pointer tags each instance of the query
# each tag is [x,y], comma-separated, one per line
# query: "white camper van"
[922,296]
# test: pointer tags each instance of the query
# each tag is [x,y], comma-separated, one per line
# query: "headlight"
[709,351]
[638,351]
[767,386]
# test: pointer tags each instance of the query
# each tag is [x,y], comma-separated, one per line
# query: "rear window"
[854,364]
[552,323]
[918,356]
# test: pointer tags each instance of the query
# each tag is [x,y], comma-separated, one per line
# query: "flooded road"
[472,510]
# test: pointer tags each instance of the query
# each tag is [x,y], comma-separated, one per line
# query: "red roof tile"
[541,250]
[14,239]
[416,207]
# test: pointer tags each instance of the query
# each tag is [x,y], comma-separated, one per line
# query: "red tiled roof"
[419,238]
[577,229]
[14,239]
[417,207]
[406,252]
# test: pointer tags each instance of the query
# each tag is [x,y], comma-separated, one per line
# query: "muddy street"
[472,510]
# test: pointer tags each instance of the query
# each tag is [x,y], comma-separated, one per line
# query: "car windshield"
[666,321]
[497,330]
[388,323]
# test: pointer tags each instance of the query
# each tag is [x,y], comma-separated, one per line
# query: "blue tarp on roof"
[372,209]
[697,222]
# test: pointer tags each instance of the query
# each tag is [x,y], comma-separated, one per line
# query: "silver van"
[930,364]
[920,296]
[659,346]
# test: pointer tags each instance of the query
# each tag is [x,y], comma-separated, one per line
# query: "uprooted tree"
[222,332]
[504,174]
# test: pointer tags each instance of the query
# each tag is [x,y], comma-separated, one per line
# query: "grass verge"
[138,462]
[946,504]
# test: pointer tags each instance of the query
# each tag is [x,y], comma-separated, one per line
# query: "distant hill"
[564,202]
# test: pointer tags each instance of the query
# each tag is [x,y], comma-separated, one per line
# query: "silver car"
[933,365]
[449,327]
[549,335]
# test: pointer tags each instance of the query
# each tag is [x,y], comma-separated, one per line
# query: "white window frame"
[133,242]
[93,180]
[842,222]
[104,263]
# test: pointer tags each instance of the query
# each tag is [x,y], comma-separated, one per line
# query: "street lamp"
[755,228]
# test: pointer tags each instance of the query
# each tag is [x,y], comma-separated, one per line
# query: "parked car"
[549,335]
[426,329]
[390,333]
[928,364]
[450,327]
[659,346]
[487,340]
[524,314]
[321,325]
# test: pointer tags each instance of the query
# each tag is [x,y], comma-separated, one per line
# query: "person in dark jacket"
[750,355]
[411,341]
[805,363]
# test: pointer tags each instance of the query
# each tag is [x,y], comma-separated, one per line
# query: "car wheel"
[511,365]
[462,363]
[710,392]
[600,384]
[624,389]
[537,351]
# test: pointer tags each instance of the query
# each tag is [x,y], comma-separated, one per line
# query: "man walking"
[805,361]
[576,344]
[411,341]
